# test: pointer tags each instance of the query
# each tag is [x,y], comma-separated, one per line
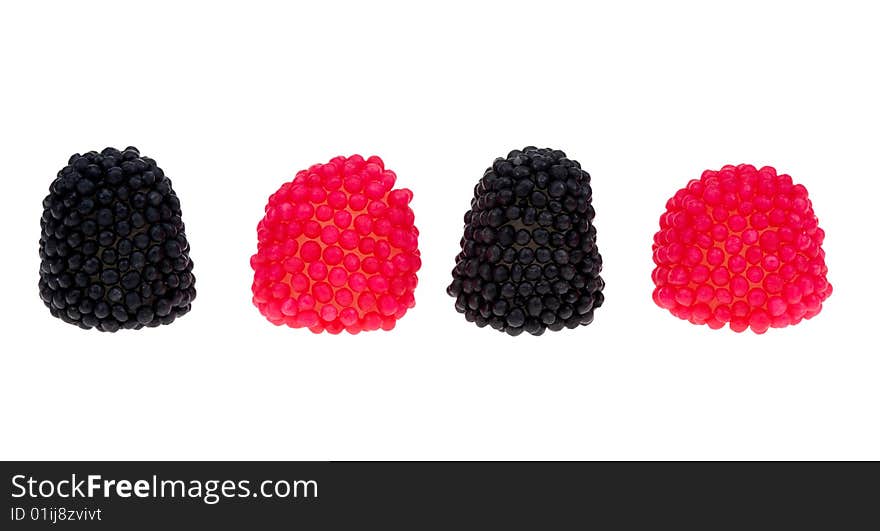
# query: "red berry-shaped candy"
[741,246]
[337,249]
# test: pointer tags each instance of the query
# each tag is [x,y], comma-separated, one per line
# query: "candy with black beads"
[529,260]
[113,249]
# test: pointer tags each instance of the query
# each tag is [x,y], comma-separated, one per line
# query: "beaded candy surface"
[337,249]
[113,249]
[528,259]
[741,246]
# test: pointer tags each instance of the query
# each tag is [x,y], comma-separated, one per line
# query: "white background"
[232,99]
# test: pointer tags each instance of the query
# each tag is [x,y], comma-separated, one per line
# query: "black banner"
[415,495]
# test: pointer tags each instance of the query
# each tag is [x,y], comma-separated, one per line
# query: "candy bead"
[351,262]
[529,260]
[311,251]
[317,271]
[337,277]
[322,292]
[357,282]
[344,298]
[329,234]
[330,249]
[333,255]
[765,259]
[113,247]
[342,219]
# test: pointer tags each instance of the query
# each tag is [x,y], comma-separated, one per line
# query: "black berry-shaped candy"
[528,259]
[113,249]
